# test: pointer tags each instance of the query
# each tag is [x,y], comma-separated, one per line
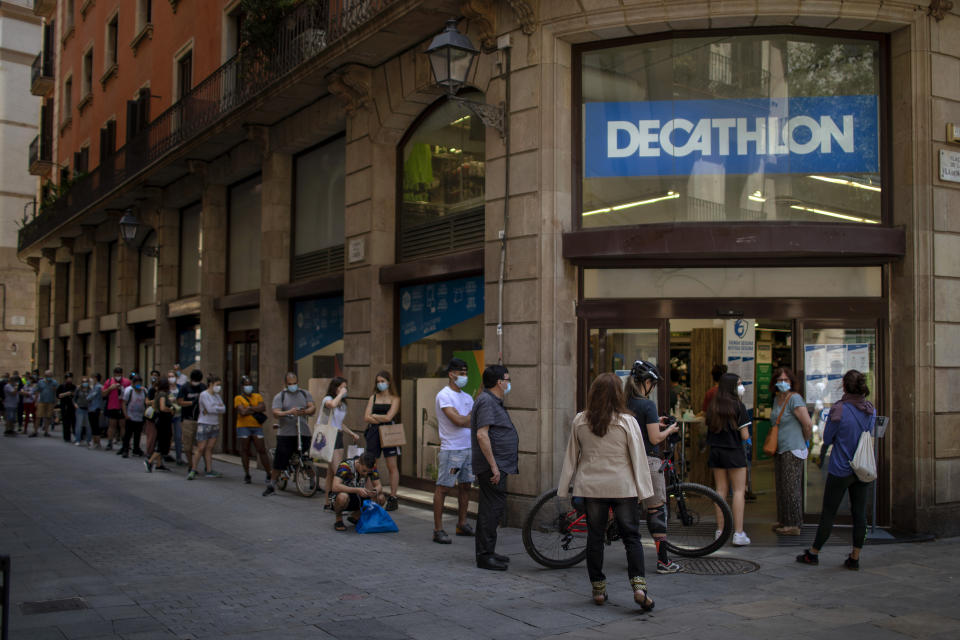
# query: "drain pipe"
[504,44]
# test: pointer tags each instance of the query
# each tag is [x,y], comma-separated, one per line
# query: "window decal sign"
[316,324]
[428,308]
[753,135]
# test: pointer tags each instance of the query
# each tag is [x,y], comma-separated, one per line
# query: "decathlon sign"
[755,135]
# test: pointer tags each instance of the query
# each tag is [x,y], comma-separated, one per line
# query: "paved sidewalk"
[156,556]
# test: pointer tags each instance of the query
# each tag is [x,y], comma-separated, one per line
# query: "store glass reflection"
[318,338]
[782,127]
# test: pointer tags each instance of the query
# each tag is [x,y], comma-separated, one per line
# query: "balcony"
[41,155]
[214,106]
[44,8]
[41,75]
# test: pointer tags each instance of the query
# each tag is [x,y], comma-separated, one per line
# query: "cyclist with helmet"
[248,404]
[643,379]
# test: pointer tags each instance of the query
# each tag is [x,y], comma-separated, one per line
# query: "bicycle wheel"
[554,533]
[306,479]
[692,520]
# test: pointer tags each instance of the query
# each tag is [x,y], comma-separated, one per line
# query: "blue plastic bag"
[375,519]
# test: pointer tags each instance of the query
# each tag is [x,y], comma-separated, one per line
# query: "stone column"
[128,271]
[98,340]
[78,281]
[168,281]
[213,278]
[60,300]
[275,220]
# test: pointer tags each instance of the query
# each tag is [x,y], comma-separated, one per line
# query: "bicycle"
[555,529]
[305,475]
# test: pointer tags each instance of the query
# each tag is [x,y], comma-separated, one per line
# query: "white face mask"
[740,390]
[172,381]
[462,381]
[216,388]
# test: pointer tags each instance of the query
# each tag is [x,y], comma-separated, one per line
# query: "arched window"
[442,168]
[147,290]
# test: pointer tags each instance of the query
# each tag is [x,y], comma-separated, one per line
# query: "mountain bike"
[555,529]
[301,469]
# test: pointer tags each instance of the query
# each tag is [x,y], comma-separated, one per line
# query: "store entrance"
[686,349]
[243,359]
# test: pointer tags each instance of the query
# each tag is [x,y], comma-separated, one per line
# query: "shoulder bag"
[770,443]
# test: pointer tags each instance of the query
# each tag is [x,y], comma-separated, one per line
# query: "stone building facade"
[353,216]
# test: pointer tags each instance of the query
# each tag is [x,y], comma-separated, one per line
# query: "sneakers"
[808,558]
[246,478]
[213,474]
[441,537]
[109,447]
[269,491]
[850,563]
[466,530]
[740,539]
[667,567]
[146,463]
[191,475]
[391,503]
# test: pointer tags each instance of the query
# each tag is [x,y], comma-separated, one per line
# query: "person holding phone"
[291,407]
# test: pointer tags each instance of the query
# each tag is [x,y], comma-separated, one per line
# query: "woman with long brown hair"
[382,408]
[333,409]
[727,428]
[607,464]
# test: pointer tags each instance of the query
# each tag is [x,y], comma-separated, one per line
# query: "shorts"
[338,443]
[207,431]
[727,458]
[372,436]
[44,410]
[286,446]
[250,432]
[114,414]
[354,504]
[659,486]
[454,466]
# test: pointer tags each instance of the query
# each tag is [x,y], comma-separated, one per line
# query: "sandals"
[639,584]
[599,592]
[339,526]
[808,558]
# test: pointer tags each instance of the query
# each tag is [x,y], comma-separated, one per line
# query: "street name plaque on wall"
[949,165]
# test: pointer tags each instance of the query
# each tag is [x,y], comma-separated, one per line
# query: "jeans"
[82,423]
[133,430]
[177,438]
[626,511]
[833,492]
[490,508]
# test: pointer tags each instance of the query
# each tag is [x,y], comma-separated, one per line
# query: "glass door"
[242,360]
[615,349]
[830,349]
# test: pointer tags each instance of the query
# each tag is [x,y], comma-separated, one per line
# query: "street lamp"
[451,57]
[129,226]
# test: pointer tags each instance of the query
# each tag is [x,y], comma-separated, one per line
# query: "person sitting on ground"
[356,480]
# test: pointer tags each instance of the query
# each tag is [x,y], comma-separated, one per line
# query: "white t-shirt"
[453,437]
[339,413]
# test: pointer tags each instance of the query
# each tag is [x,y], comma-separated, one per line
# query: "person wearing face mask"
[134,408]
[113,392]
[95,409]
[166,407]
[382,408]
[81,406]
[176,431]
[248,404]
[149,418]
[208,428]
[495,455]
[333,408]
[793,433]
[65,394]
[727,428]
[292,407]
[643,379]
[46,397]
[454,461]
[189,399]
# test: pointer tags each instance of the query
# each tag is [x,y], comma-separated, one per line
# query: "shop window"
[442,167]
[147,287]
[318,338]
[243,243]
[436,322]
[319,210]
[764,128]
[188,342]
[191,247]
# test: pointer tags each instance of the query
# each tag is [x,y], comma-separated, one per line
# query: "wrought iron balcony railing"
[310,29]
[41,75]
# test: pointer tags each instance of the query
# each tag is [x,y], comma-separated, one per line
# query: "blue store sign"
[316,324]
[428,308]
[755,135]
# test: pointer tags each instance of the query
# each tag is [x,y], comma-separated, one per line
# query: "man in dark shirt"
[65,396]
[189,399]
[495,453]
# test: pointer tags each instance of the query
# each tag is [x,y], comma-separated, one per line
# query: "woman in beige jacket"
[608,466]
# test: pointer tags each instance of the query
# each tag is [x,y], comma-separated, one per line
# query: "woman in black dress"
[382,408]
[727,428]
[166,408]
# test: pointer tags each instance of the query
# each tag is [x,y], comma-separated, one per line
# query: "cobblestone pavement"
[156,556]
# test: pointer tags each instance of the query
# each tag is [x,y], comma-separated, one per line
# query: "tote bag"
[324,437]
[864,464]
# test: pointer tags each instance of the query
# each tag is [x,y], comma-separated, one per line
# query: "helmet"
[643,370]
